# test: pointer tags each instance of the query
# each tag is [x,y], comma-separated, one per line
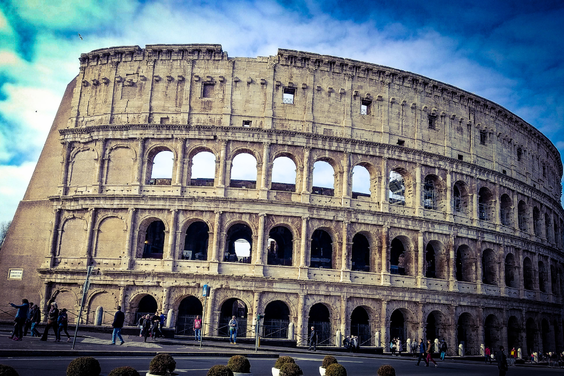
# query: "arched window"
[510,274]
[283,175]
[154,240]
[522,215]
[430,194]
[505,210]
[239,244]
[396,188]
[492,332]
[323,179]
[196,242]
[465,264]
[360,182]
[400,257]
[276,320]
[233,307]
[542,277]
[360,325]
[360,253]
[489,272]
[320,319]
[484,204]
[321,250]
[147,306]
[460,198]
[547,226]
[244,171]
[536,221]
[436,260]
[189,308]
[280,245]
[528,273]
[161,168]
[202,172]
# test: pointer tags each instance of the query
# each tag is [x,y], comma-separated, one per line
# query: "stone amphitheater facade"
[459,236]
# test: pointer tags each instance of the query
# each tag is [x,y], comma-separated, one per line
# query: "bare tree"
[4,226]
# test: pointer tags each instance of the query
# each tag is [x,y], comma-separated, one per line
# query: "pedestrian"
[146,327]
[52,317]
[35,319]
[63,322]
[312,339]
[487,355]
[512,356]
[21,316]
[140,324]
[399,346]
[347,343]
[233,327]
[501,361]
[430,353]
[393,346]
[27,324]
[198,329]
[443,348]
[119,318]
[422,353]
[162,320]
[155,320]
[414,346]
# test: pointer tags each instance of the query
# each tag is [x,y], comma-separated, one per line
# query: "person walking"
[487,355]
[27,324]
[198,329]
[52,317]
[233,326]
[146,327]
[501,361]
[21,316]
[443,349]
[119,318]
[155,320]
[512,356]
[393,346]
[430,353]
[63,322]
[35,319]
[312,339]
[422,353]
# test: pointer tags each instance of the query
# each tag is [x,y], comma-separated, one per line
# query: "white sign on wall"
[15,274]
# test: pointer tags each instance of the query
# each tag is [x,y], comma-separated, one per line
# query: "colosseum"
[441,217]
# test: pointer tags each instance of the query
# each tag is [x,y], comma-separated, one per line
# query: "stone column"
[451,264]
[304,251]
[384,185]
[171,255]
[129,240]
[479,266]
[265,171]
[139,176]
[449,196]
[52,246]
[302,321]
[89,233]
[215,254]
[121,300]
[166,298]
[421,283]
[344,324]
[100,167]
[346,196]
[501,270]
[220,168]
[384,327]
[346,254]
[65,165]
[385,254]
[519,266]
[257,295]
[259,254]
[179,173]
[480,321]
[417,201]
[208,328]
[306,188]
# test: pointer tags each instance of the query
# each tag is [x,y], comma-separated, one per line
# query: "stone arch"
[511,273]
[513,333]
[485,204]
[400,187]
[322,184]
[283,174]
[401,256]
[436,260]
[361,181]
[143,304]
[537,226]
[196,241]
[461,198]
[101,298]
[280,245]
[433,192]
[276,319]
[505,210]
[201,170]
[110,238]
[547,336]
[360,255]
[542,276]
[189,307]
[73,237]
[528,274]
[237,234]
[360,325]
[522,215]
[465,264]
[320,317]
[82,167]
[69,299]
[531,336]
[321,249]
[229,308]
[436,325]
[492,332]
[153,235]
[162,173]
[247,176]
[466,333]
[120,158]
[489,267]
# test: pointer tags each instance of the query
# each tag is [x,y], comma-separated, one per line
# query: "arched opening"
[528,273]
[431,192]
[280,246]
[244,171]
[196,242]
[510,274]
[202,173]
[283,175]
[460,198]
[532,342]
[233,307]
[466,333]
[397,326]
[536,221]
[465,264]
[484,204]
[154,240]
[276,320]
[492,332]
[522,216]
[396,188]
[319,318]
[547,227]
[542,277]
[489,272]
[435,326]
[161,167]
[321,250]
[147,306]
[189,308]
[554,281]
[435,260]
[360,325]
[323,179]
[360,182]
[360,254]
[399,257]
[239,244]
[505,210]
[513,333]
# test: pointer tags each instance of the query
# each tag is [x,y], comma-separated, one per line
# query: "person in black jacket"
[35,319]
[119,318]
[312,339]
[501,361]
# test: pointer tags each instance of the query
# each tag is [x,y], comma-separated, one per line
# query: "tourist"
[443,347]
[52,318]
[63,322]
[422,353]
[233,326]
[313,339]
[487,355]
[512,356]
[393,346]
[21,316]
[155,321]
[119,319]
[198,329]
[35,319]
[501,361]
[27,324]
[430,353]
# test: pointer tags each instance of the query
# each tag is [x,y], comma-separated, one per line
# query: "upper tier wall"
[330,96]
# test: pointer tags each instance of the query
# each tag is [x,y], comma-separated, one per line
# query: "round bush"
[162,364]
[84,366]
[386,370]
[335,369]
[239,363]
[283,360]
[124,371]
[219,370]
[291,369]
[7,371]
[328,360]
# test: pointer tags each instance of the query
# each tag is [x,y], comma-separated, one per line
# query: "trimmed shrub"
[162,364]
[283,360]
[7,371]
[124,371]
[291,369]
[386,370]
[84,366]
[335,369]
[239,363]
[328,360]
[219,370]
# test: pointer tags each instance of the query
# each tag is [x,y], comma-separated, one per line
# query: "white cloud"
[12,187]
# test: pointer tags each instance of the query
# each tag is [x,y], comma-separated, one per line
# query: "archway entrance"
[233,307]
[360,254]
[492,332]
[435,326]
[465,334]
[397,326]
[189,308]
[360,325]
[276,320]
[320,319]
[280,246]
[147,305]
[398,257]
[531,330]
[513,333]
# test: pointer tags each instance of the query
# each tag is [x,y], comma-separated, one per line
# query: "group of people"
[396,345]
[351,343]
[151,325]
[28,315]
[426,353]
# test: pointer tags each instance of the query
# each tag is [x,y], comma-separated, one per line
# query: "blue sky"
[509,52]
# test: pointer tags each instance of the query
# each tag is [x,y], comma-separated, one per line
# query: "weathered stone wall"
[481,196]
